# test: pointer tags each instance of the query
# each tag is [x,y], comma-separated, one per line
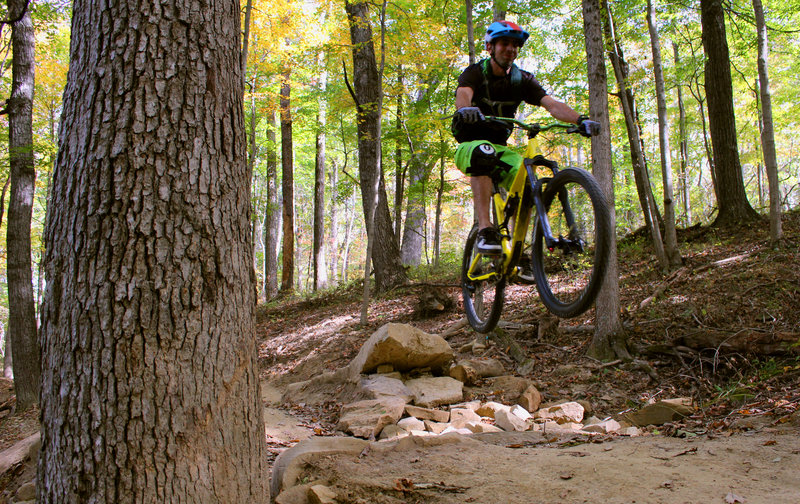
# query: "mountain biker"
[496,86]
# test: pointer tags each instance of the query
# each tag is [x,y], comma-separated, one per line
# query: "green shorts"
[480,157]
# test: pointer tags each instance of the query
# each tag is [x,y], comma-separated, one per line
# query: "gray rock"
[569,412]
[367,418]
[393,432]
[604,427]
[321,494]
[405,348]
[509,421]
[435,391]
[490,409]
[428,414]
[377,386]
[659,413]
[509,389]
[26,492]
[411,423]
[289,464]
[459,417]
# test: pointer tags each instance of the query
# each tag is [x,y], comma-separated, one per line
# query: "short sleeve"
[533,92]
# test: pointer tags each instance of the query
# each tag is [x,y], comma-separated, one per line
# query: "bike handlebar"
[534,128]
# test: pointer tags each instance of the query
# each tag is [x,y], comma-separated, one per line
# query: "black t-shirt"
[498,96]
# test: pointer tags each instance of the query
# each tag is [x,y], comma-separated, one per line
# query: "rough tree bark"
[22,311]
[287,185]
[368,93]
[608,340]
[150,382]
[734,208]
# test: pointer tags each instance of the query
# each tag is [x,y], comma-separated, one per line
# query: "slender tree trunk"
[640,172]
[22,311]
[439,193]
[333,236]
[499,9]
[150,377]
[470,31]
[670,235]
[733,205]
[351,219]
[320,268]
[684,146]
[768,132]
[399,172]
[246,37]
[287,186]
[382,250]
[272,214]
[608,339]
[8,358]
[252,153]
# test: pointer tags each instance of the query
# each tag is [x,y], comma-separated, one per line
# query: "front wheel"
[569,272]
[483,298]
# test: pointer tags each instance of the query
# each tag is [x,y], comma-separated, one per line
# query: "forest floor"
[723,330]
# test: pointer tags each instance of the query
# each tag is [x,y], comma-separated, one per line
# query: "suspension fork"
[536,190]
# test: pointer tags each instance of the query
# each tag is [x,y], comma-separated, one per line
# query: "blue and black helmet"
[508,29]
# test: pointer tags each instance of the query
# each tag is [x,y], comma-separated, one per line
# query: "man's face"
[504,50]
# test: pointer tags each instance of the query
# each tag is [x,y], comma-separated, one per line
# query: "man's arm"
[464,97]
[557,109]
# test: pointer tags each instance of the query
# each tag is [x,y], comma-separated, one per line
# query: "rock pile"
[403,387]
[404,382]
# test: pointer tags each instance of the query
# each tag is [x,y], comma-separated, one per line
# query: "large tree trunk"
[272,214]
[608,339]
[670,235]
[22,311]
[385,256]
[638,163]
[732,199]
[287,186]
[768,132]
[150,382]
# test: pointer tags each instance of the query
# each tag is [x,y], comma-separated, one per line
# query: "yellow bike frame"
[519,220]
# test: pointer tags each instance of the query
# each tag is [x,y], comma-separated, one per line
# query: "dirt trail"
[759,466]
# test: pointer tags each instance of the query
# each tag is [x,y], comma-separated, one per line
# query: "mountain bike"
[569,244]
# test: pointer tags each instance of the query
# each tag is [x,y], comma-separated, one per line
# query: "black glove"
[470,115]
[587,127]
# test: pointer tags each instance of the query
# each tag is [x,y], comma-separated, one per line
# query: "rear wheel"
[569,275]
[483,299]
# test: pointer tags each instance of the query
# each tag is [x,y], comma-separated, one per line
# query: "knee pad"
[483,160]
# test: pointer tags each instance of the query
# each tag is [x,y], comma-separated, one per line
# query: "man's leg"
[482,199]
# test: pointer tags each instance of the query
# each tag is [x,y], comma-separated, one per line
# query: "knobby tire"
[569,281]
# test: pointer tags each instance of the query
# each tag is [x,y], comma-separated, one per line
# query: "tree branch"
[21,14]
[350,88]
